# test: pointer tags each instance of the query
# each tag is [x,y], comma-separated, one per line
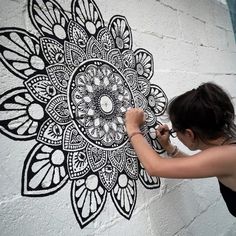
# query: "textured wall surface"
[191,42]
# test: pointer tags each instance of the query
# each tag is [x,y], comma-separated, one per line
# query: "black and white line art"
[79,78]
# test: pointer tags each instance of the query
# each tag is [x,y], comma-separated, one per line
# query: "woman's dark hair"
[207,110]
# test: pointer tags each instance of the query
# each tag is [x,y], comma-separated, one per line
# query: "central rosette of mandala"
[99,96]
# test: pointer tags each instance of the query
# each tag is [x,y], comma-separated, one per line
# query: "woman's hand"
[163,136]
[134,118]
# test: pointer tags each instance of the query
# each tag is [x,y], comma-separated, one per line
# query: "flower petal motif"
[140,100]
[148,181]
[121,32]
[104,37]
[150,117]
[108,176]
[144,63]
[19,114]
[59,74]
[50,133]
[20,52]
[97,158]
[132,78]
[44,171]
[74,55]
[94,49]
[78,165]
[151,137]
[48,17]
[58,110]
[157,100]
[118,158]
[114,56]
[143,86]
[52,50]
[87,14]
[128,59]
[41,88]
[88,199]
[72,140]
[77,34]
[149,132]
[124,195]
[131,167]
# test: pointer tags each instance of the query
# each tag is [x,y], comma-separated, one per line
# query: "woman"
[203,119]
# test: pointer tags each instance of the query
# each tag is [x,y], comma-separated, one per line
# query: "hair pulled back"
[207,110]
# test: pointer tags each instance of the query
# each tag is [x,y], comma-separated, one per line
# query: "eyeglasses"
[172,133]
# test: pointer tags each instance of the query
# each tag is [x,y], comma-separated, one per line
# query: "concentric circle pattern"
[99,96]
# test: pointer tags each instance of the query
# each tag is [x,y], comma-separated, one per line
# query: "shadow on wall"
[232,10]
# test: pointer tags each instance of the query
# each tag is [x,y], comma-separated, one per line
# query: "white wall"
[191,42]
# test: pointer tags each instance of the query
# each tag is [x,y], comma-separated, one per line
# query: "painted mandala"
[79,78]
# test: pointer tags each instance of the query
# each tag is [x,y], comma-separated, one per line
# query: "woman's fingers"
[162,129]
[134,118]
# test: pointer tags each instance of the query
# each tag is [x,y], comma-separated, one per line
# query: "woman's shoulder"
[226,157]
[225,147]
[223,156]
[228,149]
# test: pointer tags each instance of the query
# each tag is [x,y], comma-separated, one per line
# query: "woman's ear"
[193,140]
[190,134]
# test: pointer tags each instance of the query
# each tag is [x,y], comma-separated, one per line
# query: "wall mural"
[79,78]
